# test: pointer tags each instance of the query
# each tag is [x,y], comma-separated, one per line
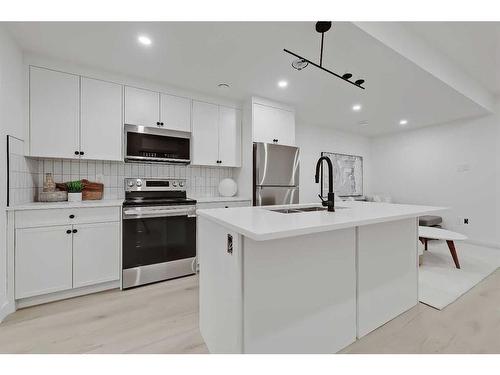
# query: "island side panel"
[299,293]
[387,272]
[220,287]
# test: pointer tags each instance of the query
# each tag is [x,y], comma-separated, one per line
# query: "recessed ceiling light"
[143,39]
[403,122]
[282,84]
[356,107]
[223,85]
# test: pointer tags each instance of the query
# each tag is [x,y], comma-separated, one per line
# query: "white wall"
[11,122]
[312,140]
[454,165]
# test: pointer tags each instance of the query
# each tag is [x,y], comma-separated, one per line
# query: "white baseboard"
[46,298]
[493,245]
[6,309]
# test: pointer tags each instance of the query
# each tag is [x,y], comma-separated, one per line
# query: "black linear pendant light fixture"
[322,27]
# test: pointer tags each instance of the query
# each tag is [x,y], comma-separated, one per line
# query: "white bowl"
[227,187]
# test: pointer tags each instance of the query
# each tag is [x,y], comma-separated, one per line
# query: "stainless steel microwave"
[145,144]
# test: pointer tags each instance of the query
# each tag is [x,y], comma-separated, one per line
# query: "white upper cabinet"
[205,134]
[74,117]
[101,120]
[216,135]
[273,125]
[54,114]
[142,107]
[229,137]
[175,113]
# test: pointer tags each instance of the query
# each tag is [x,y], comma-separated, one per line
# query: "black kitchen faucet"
[330,202]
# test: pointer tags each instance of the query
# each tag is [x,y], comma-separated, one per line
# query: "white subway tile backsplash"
[75,167]
[48,166]
[58,167]
[26,175]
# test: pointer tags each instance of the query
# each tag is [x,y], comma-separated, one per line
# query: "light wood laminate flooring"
[163,318]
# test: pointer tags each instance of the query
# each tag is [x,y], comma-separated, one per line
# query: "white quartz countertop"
[219,199]
[82,204]
[259,223]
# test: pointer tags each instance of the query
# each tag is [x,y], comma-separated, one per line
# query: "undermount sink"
[309,209]
[302,209]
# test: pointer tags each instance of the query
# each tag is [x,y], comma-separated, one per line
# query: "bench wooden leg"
[453,251]
[424,242]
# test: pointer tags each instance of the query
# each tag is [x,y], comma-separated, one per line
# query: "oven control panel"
[155,184]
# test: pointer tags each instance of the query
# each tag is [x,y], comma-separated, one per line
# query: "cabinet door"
[54,113]
[96,253]
[43,260]
[229,137]
[285,127]
[270,123]
[101,120]
[175,112]
[205,134]
[142,107]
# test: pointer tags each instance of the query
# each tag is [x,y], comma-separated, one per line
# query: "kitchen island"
[299,279]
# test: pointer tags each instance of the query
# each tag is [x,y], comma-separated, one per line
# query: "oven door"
[156,145]
[159,243]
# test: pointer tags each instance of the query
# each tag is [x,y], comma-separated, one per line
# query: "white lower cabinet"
[68,253]
[43,260]
[96,250]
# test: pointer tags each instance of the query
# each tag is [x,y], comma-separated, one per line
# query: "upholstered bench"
[429,220]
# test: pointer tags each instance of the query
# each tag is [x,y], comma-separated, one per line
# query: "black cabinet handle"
[77,153]
[71,216]
[74,231]
[68,231]
[158,123]
[162,123]
[81,152]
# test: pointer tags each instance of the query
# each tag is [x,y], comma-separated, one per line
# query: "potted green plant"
[74,191]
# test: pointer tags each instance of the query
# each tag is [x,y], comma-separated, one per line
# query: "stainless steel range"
[159,231]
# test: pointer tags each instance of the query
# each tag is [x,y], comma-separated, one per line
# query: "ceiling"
[249,56]
[472,46]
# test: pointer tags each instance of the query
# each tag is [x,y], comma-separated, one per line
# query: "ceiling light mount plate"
[323,26]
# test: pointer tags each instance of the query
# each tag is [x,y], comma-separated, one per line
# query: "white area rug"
[440,283]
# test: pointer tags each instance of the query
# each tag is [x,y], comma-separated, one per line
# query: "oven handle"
[134,214]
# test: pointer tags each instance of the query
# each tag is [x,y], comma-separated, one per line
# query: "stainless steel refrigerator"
[275,174]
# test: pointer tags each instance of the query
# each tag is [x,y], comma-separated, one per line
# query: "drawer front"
[66,216]
[223,204]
